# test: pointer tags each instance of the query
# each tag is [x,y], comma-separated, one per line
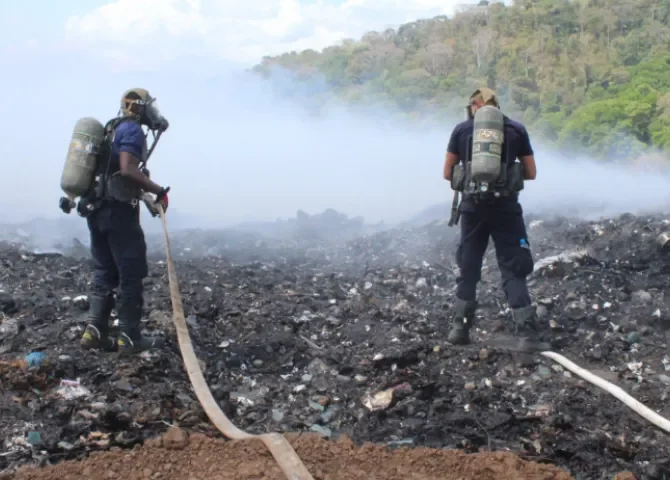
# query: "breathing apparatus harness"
[508,183]
[98,193]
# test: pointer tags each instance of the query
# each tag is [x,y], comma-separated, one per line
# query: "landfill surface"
[326,329]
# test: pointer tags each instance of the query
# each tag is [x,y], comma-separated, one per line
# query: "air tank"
[487,141]
[82,157]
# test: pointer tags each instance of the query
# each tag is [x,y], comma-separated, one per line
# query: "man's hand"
[153,203]
[162,198]
[150,203]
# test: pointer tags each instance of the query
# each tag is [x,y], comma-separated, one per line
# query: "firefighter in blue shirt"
[497,214]
[117,240]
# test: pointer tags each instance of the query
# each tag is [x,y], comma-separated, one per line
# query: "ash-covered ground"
[328,328]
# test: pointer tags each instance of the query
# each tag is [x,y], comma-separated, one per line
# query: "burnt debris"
[324,324]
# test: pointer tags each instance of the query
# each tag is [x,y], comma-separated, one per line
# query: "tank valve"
[66,204]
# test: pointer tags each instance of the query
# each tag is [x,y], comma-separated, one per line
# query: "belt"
[490,197]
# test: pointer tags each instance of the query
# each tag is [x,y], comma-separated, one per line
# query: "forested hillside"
[588,73]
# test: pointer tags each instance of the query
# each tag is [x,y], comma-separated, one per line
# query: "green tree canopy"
[588,73]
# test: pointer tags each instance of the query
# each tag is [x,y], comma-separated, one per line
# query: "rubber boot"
[527,330]
[96,334]
[131,339]
[464,316]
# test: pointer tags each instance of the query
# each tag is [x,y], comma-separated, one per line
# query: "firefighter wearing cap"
[118,246]
[496,215]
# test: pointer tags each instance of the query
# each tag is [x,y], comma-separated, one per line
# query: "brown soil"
[179,457]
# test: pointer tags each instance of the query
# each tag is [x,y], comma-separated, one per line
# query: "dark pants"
[510,239]
[119,253]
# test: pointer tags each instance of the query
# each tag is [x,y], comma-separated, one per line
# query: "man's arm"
[452,156]
[130,148]
[527,157]
[450,161]
[130,169]
[529,170]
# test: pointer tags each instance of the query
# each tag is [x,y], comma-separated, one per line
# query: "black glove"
[66,204]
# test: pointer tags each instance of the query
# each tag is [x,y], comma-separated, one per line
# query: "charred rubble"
[300,332]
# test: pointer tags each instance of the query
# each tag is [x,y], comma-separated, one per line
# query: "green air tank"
[82,157]
[487,141]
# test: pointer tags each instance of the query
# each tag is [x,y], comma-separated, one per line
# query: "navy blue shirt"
[517,144]
[128,137]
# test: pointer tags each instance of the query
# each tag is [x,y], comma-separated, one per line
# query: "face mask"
[151,115]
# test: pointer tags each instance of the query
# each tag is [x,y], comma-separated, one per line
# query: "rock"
[123,385]
[543,372]
[66,446]
[329,413]
[321,430]
[633,337]
[7,303]
[81,301]
[321,400]
[277,415]
[642,297]
[175,439]
[576,310]
[317,367]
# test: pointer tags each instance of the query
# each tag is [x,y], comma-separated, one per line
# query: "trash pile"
[347,339]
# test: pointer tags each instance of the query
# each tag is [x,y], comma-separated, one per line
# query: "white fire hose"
[615,391]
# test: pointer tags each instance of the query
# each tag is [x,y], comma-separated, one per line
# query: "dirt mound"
[178,457]
[349,338]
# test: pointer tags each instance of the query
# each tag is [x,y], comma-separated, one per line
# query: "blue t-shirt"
[128,137]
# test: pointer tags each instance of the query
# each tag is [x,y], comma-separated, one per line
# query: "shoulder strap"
[106,153]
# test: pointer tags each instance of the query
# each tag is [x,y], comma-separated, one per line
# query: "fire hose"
[615,391]
[281,449]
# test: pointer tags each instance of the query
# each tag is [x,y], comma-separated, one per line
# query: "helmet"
[139,103]
[130,97]
[486,95]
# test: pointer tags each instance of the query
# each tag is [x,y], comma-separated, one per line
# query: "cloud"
[154,32]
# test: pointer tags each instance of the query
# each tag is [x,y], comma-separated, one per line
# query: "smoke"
[241,149]
[582,187]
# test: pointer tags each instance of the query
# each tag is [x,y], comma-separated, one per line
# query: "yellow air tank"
[82,157]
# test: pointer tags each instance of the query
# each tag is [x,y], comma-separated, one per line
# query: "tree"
[591,74]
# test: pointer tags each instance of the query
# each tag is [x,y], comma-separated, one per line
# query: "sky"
[235,152]
[135,34]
